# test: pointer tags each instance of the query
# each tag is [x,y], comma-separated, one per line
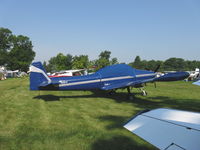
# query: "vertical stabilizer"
[38,76]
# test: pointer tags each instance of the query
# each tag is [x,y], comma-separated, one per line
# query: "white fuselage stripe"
[94,81]
[145,75]
[78,83]
[117,78]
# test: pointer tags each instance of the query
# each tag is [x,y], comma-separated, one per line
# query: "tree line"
[171,64]
[66,62]
[16,53]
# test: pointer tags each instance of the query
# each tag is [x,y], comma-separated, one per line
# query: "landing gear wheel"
[144,93]
[112,92]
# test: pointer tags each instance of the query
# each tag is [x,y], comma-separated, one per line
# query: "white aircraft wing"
[168,129]
[197,82]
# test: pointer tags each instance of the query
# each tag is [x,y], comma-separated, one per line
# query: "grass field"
[78,120]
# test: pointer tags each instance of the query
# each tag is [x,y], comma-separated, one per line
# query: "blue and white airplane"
[109,78]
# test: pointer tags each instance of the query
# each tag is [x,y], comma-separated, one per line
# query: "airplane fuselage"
[108,78]
[102,78]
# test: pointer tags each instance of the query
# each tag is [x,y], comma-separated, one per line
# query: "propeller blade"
[157,68]
[198,75]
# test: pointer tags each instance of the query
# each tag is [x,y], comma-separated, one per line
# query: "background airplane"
[193,74]
[68,73]
[109,78]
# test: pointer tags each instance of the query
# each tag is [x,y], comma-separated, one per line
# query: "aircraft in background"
[193,74]
[167,129]
[69,73]
[109,78]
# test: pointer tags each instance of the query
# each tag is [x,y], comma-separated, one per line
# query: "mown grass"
[78,120]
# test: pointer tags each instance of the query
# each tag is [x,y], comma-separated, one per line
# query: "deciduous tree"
[22,54]
[80,62]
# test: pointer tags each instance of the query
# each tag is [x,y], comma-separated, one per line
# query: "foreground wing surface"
[168,129]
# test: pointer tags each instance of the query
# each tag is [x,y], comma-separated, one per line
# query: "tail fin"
[38,76]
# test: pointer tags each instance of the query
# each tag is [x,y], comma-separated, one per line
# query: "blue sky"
[152,29]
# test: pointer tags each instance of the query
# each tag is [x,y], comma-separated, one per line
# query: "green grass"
[78,120]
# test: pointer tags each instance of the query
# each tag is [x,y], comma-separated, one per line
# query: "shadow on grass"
[118,97]
[48,98]
[118,143]
[114,121]
[139,101]
[183,104]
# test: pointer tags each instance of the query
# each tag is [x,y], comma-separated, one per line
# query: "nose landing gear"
[144,93]
[130,95]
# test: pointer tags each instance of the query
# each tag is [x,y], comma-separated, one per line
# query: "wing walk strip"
[189,128]
[97,80]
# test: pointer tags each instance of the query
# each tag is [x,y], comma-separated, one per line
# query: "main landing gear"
[112,92]
[130,95]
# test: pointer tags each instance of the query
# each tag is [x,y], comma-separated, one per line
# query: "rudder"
[38,76]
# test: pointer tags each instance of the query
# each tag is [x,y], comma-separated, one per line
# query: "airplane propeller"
[157,68]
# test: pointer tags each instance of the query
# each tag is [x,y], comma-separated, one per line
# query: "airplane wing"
[197,82]
[109,86]
[123,84]
[168,129]
[143,81]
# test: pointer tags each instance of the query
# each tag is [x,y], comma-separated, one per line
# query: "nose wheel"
[144,93]
[112,92]
[131,96]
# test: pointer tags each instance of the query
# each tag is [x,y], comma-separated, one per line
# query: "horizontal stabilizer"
[44,84]
[168,129]
[38,76]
